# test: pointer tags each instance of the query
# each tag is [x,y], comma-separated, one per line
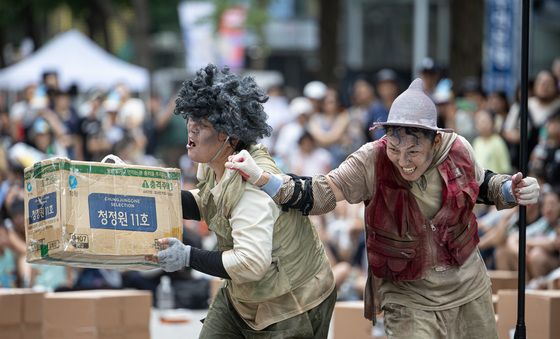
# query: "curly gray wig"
[232,104]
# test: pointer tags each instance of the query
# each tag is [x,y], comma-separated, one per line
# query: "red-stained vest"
[397,231]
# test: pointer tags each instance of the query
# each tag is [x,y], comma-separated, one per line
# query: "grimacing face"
[411,154]
[203,141]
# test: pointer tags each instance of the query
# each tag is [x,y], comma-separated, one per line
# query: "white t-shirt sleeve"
[252,222]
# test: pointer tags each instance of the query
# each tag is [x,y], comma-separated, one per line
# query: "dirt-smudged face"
[411,154]
[204,142]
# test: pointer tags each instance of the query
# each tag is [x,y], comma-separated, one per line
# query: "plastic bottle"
[165,294]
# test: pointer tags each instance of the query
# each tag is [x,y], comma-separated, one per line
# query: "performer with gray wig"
[419,184]
[278,281]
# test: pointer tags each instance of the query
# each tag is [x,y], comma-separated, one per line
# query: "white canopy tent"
[77,60]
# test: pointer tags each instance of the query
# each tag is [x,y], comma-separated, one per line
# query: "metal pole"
[354,34]
[420,43]
[520,330]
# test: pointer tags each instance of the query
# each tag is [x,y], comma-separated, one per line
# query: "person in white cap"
[316,92]
[419,184]
[301,109]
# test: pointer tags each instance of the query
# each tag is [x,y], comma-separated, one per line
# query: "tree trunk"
[140,32]
[97,23]
[259,59]
[467,24]
[328,39]
[3,62]
[32,26]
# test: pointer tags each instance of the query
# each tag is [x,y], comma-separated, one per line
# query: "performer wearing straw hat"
[419,184]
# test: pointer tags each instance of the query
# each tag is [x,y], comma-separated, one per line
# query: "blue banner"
[501,46]
[42,208]
[122,212]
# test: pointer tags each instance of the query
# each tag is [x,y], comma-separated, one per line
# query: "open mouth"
[408,170]
[191,144]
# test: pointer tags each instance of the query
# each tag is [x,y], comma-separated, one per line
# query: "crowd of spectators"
[312,133]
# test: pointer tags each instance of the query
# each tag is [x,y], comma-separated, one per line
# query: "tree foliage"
[28,18]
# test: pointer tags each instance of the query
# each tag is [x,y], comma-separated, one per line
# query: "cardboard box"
[99,314]
[11,311]
[507,313]
[10,332]
[32,326]
[503,280]
[542,314]
[21,313]
[349,321]
[32,307]
[92,333]
[32,332]
[105,215]
[11,307]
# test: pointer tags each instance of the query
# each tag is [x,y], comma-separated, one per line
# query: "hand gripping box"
[98,214]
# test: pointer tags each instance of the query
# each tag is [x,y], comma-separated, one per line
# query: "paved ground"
[176,324]
[185,324]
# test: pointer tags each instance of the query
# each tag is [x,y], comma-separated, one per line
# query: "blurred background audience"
[321,110]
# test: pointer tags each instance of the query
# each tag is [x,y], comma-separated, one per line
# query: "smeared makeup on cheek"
[201,135]
[207,137]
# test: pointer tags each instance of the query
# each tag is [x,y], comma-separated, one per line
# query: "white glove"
[244,163]
[175,256]
[526,190]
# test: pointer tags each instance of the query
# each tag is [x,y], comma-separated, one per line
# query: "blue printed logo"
[73,182]
[122,212]
[42,208]
[29,187]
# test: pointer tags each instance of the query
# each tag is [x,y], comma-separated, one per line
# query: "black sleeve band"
[189,206]
[483,197]
[302,198]
[295,196]
[306,203]
[209,262]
